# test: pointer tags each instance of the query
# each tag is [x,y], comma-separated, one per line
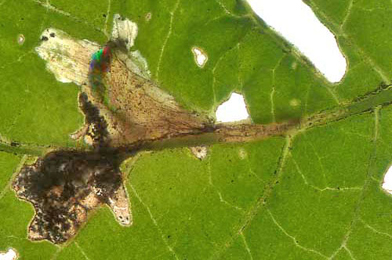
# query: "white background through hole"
[9,255]
[387,184]
[200,56]
[297,23]
[232,110]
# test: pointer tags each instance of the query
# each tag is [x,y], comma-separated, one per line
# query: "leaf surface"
[313,194]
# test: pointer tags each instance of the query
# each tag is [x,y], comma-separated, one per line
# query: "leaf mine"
[66,58]
[125,112]
[65,186]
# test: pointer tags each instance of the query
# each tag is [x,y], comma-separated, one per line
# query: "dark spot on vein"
[52,35]
[44,38]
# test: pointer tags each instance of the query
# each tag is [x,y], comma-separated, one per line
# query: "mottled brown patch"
[65,186]
[143,111]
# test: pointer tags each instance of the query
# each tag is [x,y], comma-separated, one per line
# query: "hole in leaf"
[200,56]
[11,254]
[387,183]
[296,22]
[232,110]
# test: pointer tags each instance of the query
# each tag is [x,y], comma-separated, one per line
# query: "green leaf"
[314,193]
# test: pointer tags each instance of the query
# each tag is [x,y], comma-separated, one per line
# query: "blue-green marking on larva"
[99,65]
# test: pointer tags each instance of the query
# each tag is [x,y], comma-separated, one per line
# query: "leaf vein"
[293,238]
[169,32]
[154,222]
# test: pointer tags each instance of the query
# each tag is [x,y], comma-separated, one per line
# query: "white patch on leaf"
[199,151]
[66,58]
[148,16]
[21,39]
[242,154]
[232,110]
[200,56]
[69,59]
[136,63]
[120,206]
[125,30]
[294,65]
[295,102]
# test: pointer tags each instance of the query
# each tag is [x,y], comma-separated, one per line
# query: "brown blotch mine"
[66,185]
